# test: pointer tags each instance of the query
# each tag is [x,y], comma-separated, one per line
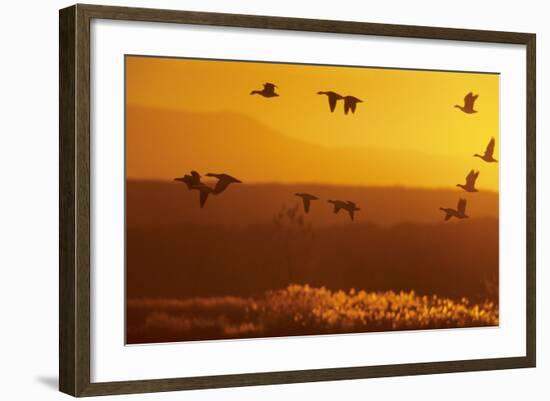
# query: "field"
[300,310]
[201,273]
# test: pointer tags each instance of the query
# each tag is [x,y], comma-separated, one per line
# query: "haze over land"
[163,143]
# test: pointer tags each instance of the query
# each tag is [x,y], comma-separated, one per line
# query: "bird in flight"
[267,91]
[190,180]
[223,182]
[350,102]
[306,198]
[488,155]
[470,182]
[193,181]
[459,212]
[469,101]
[348,206]
[333,98]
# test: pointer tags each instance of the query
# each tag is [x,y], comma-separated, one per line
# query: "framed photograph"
[250,200]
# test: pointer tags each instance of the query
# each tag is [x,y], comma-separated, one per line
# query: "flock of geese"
[350,102]
[348,206]
[193,180]
[469,186]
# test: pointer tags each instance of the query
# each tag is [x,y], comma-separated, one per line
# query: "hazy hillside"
[176,141]
[156,203]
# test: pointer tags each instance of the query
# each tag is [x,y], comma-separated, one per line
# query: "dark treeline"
[458,259]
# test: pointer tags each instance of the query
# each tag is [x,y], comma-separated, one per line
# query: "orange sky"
[198,114]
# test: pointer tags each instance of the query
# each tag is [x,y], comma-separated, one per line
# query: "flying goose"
[470,182]
[468,107]
[223,181]
[348,206]
[333,98]
[306,198]
[267,91]
[488,155]
[350,102]
[459,212]
[190,180]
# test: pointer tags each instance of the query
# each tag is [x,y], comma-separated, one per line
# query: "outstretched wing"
[448,213]
[347,106]
[337,207]
[351,214]
[469,100]
[195,178]
[221,185]
[332,102]
[461,207]
[471,178]
[203,196]
[269,87]
[490,148]
[306,204]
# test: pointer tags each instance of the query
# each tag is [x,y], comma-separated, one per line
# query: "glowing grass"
[300,310]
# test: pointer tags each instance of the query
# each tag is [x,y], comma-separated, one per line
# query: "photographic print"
[268,199]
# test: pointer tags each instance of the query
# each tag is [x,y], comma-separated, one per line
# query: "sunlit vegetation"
[300,310]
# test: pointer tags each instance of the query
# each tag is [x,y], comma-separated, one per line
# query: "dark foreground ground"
[221,272]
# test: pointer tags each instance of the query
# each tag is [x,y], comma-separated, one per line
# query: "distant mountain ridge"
[162,144]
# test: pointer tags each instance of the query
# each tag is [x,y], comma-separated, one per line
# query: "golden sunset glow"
[185,114]
[265,214]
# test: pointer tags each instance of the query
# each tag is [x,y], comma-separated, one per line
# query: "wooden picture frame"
[74,204]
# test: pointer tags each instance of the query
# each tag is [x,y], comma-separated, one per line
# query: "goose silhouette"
[348,206]
[459,212]
[470,182]
[469,101]
[190,180]
[488,155]
[306,199]
[350,102]
[267,91]
[333,98]
[223,182]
